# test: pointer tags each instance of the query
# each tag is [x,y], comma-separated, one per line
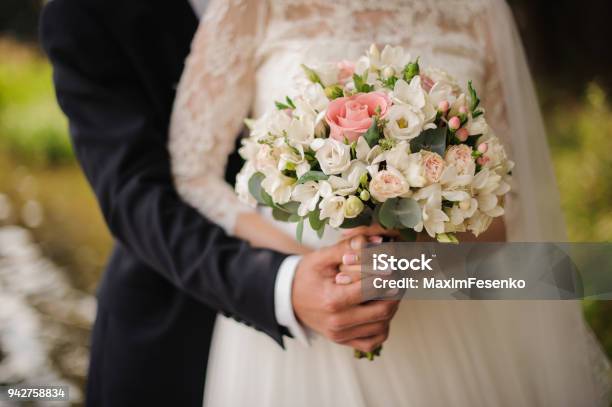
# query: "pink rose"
[350,117]
[346,70]
[433,165]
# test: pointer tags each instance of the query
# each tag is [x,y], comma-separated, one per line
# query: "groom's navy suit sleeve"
[114,77]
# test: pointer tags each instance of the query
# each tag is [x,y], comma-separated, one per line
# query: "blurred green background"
[43,190]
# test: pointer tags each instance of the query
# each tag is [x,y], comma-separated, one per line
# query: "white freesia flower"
[388,183]
[301,131]
[455,187]
[334,157]
[308,195]
[314,95]
[365,153]
[463,210]
[273,122]
[328,73]
[349,181]
[277,185]
[479,222]
[442,91]
[433,217]
[439,76]
[410,94]
[332,207]
[391,57]
[477,126]
[292,158]
[410,165]
[485,186]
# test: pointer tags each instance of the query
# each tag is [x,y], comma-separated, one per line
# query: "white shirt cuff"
[283,307]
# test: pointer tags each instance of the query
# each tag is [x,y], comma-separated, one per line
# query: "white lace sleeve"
[212,100]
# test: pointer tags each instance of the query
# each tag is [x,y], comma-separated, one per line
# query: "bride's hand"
[373,233]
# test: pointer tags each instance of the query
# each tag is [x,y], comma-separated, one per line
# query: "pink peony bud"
[462,134]
[443,106]
[483,148]
[463,110]
[482,160]
[454,123]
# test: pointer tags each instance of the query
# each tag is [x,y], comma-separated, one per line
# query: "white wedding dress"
[439,353]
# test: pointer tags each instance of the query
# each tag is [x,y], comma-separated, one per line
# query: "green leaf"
[289,207]
[361,85]
[411,70]
[363,219]
[389,82]
[315,221]
[257,191]
[312,176]
[320,232]
[312,75]
[431,140]
[399,213]
[280,214]
[447,238]
[299,230]
[373,134]
[408,235]
[474,100]
[281,105]
[290,102]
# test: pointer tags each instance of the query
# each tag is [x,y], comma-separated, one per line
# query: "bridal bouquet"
[380,139]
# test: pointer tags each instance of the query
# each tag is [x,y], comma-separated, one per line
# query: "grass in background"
[38,173]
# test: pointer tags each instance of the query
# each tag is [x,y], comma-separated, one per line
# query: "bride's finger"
[348,274]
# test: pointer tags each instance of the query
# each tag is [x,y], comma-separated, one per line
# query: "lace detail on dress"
[212,100]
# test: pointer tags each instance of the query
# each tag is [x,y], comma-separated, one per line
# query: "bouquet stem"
[368,355]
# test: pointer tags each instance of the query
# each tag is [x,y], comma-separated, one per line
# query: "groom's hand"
[336,310]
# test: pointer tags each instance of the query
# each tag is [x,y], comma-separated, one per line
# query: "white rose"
[332,207]
[277,185]
[387,184]
[308,195]
[460,157]
[334,156]
[495,155]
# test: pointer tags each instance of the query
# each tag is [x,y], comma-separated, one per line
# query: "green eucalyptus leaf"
[312,176]
[399,213]
[257,191]
[431,140]
[290,207]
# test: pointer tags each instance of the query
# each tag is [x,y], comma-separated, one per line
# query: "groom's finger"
[361,331]
[364,314]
